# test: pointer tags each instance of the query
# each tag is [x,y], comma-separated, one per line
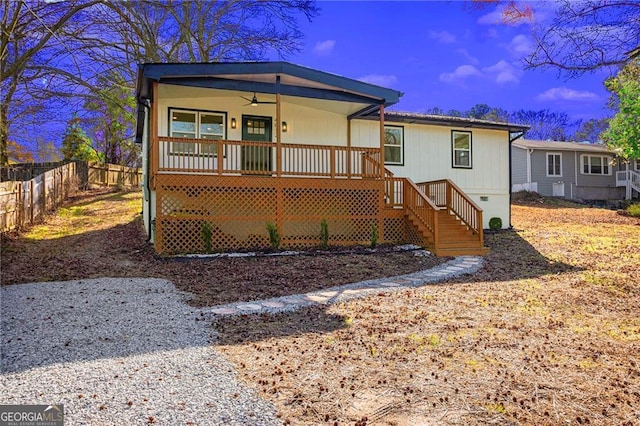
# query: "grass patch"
[634,210]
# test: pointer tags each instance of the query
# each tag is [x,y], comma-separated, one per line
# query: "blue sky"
[444,54]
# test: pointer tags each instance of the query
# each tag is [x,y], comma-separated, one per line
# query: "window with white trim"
[394,145]
[195,125]
[461,149]
[595,164]
[554,164]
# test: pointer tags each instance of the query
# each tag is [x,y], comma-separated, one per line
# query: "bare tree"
[545,124]
[582,36]
[61,50]
[587,35]
[27,30]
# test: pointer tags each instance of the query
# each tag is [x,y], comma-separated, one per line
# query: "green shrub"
[274,235]
[634,210]
[374,235]
[495,223]
[207,233]
[324,233]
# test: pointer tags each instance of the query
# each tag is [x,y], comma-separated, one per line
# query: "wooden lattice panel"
[394,229]
[412,236]
[198,213]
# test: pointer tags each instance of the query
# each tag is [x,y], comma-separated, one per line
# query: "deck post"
[348,148]
[154,149]
[220,156]
[381,165]
[278,129]
[381,141]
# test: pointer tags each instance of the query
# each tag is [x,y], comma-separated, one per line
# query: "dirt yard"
[99,234]
[547,333]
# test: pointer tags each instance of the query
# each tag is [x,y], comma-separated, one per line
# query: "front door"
[256,158]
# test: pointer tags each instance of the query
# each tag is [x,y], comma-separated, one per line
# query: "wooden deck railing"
[422,208]
[403,193]
[259,158]
[445,193]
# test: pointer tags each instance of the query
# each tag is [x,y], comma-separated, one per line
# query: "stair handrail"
[458,203]
[422,208]
[375,163]
[634,177]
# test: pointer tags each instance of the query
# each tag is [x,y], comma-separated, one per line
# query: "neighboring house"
[230,147]
[577,171]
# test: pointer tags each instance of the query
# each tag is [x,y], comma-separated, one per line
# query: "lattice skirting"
[197,213]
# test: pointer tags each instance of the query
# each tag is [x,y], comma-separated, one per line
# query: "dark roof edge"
[158,71]
[442,120]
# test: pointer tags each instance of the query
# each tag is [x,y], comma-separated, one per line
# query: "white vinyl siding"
[461,149]
[394,145]
[195,125]
[554,164]
[595,164]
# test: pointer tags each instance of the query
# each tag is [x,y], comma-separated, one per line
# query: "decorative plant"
[324,233]
[274,235]
[495,223]
[207,233]
[374,235]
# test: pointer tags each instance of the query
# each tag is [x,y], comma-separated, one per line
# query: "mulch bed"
[120,250]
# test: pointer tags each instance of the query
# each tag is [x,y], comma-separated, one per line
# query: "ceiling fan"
[254,101]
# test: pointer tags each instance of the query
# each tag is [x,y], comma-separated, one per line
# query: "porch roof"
[563,146]
[264,77]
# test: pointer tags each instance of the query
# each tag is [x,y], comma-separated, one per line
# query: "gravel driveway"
[119,351]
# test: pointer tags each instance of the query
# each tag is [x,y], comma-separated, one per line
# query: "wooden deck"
[218,195]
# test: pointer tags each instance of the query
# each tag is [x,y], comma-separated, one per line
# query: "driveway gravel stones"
[120,351]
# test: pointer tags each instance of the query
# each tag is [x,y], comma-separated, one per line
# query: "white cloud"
[503,72]
[442,36]
[471,59]
[380,80]
[566,94]
[491,33]
[520,46]
[492,18]
[324,48]
[461,73]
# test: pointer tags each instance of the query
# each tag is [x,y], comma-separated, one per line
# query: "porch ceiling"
[266,77]
[343,108]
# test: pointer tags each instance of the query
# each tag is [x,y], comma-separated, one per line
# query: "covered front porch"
[232,147]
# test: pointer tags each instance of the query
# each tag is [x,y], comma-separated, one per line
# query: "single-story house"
[576,171]
[230,147]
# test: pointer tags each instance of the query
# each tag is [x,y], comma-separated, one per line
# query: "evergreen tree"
[623,134]
[76,145]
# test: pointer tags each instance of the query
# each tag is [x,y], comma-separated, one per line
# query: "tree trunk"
[4,134]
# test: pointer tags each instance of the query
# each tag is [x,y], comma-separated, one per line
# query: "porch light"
[284,126]
[233,123]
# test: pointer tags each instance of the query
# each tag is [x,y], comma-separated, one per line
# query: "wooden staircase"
[442,217]
[456,238]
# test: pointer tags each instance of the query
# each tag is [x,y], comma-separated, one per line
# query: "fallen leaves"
[546,333]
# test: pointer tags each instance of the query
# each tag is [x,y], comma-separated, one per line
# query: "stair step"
[466,251]
[455,237]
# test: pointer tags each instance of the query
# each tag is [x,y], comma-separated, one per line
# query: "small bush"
[634,210]
[274,235]
[207,233]
[495,223]
[324,233]
[374,235]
